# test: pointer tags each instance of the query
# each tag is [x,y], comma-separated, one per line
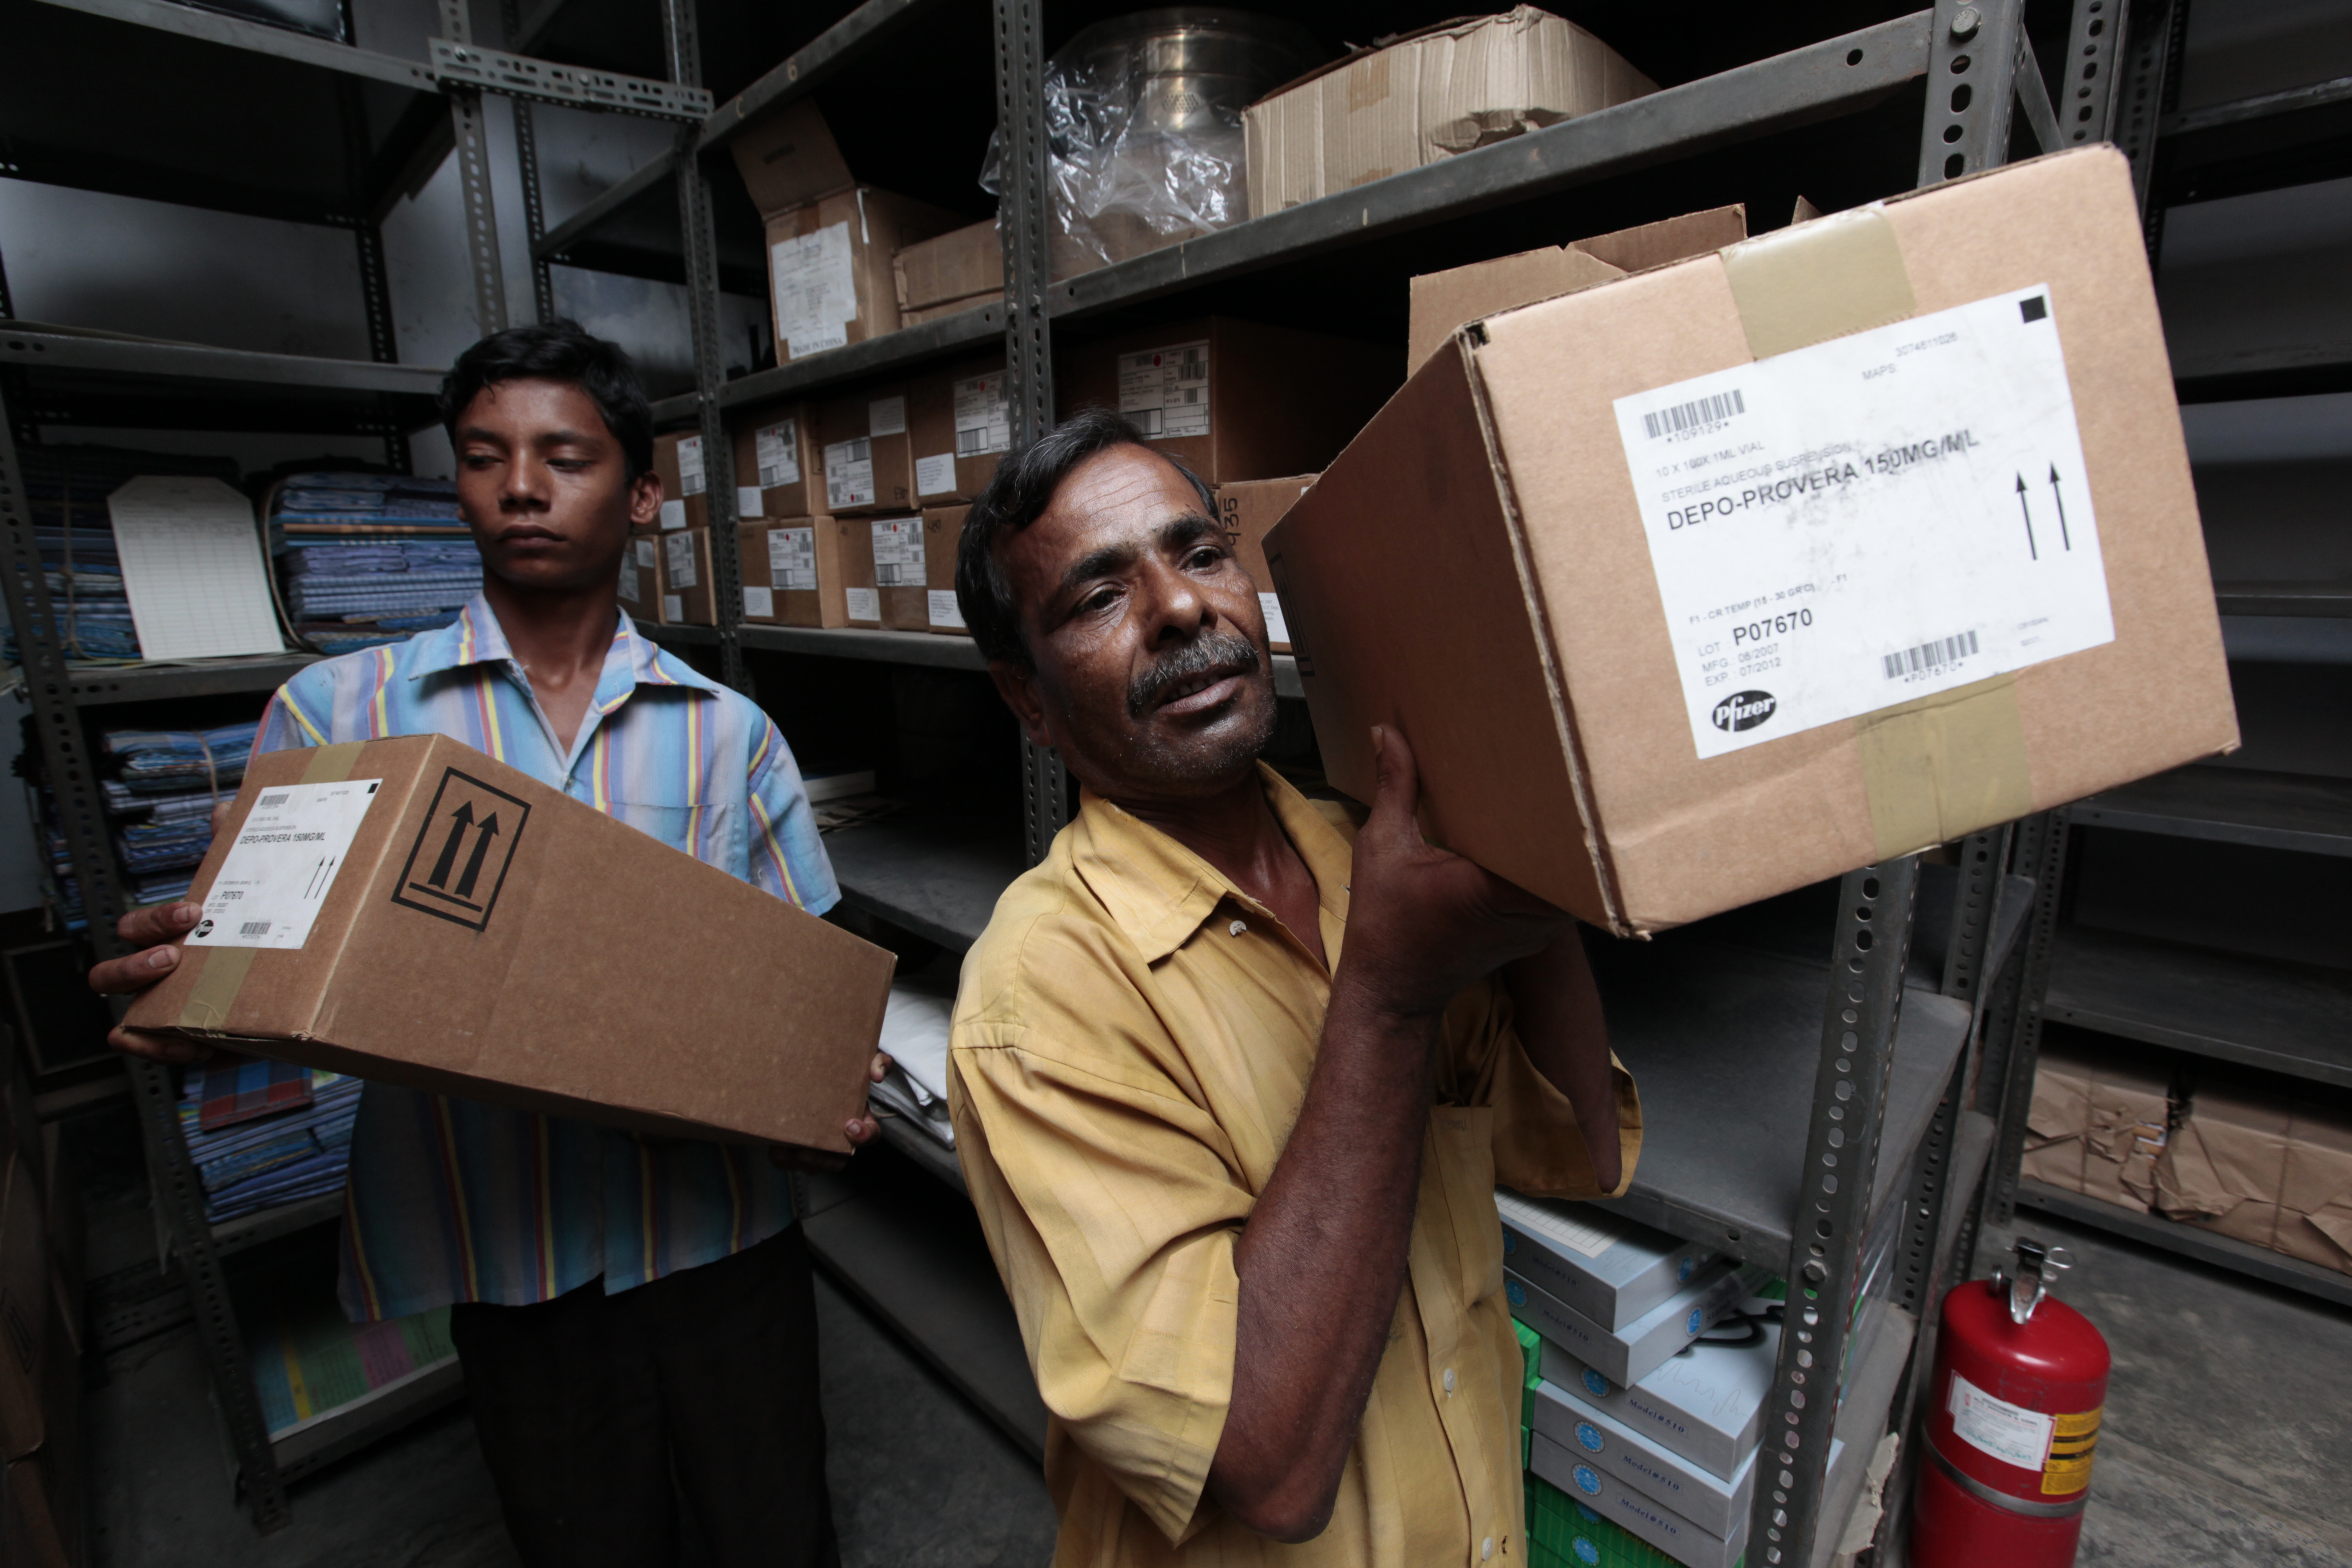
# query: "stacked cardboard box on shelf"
[688,594]
[1249,508]
[957,271]
[959,422]
[677,458]
[942,533]
[2264,1163]
[777,457]
[809,571]
[868,456]
[2099,1122]
[830,241]
[1446,90]
[641,579]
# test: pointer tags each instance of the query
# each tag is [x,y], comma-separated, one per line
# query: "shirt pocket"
[1463,1140]
[710,831]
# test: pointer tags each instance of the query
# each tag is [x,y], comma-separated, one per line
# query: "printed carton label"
[283,865]
[944,610]
[673,609]
[1165,391]
[865,603]
[759,604]
[886,417]
[1276,628]
[632,592]
[935,476]
[747,500]
[815,289]
[777,449]
[791,559]
[691,480]
[984,415]
[899,553]
[849,473]
[681,551]
[673,514]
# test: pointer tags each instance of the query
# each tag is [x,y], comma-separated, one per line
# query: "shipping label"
[1165,391]
[815,289]
[747,500]
[680,548]
[899,553]
[673,609]
[759,604]
[1869,521]
[849,473]
[886,417]
[865,603]
[945,611]
[1276,628]
[934,475]
[984,415]
[791,559]
[631,590]
[673,514]
[283,864]
[691,480]
[777,449]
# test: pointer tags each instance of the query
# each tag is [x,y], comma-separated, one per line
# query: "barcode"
[1690,416]
[254,928]
[889,576]
[861,447]
[1193,366]
[281,798]
[968,442]
[1930,654]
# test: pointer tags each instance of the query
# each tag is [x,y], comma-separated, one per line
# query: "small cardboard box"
[1705,1402]
[868,456]
[689,594]
[24,1309]
[641,579]
[464,940]
[777,457]
[2264,1166]
[1600,1264]
[1249,508]
[789,158]
[960,422]
[1630,1353]
[1732,575]
[946,308]
[962,264]
[2098,1121]
[1445,301]
[829,277]
[1714,1504]
[793,572]
[1445,89]
[942,534]
[1232,399]
[677,458]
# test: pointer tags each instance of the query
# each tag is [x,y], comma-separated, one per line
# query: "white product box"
[1632,1353]
[1706,1401]
[1595,1438]
[1602,1491]
[1608,1268]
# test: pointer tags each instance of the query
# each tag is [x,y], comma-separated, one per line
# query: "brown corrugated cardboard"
[1445,301]
[641,579]
[1485,568]
[901,571]
[677,458]
[25,1306]
[2098,1123]
[1249,508]
[2259,1165]
[1450,87]
[854,545]
[960,421]
[829,277]
[688,593]
[951,267]
[1232,399]
[946,308]
[777,455]
[942,533]
[466,943]
[794,571]
[867,453]
[789,158]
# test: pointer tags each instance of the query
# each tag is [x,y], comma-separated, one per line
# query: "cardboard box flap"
[789,158]
[1648,245]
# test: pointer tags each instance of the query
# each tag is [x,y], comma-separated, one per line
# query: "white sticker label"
[2010,1433]
[673,514]
[865,603]
[673,610]
[283,864]
[1165,391]
[945,612]
[1276,628]
[747,500]
[630,588]
[777,449]
[689,466]
[681,561]
[849,473]
[1875,519]
[791,559]
[899,553]
[984,415]
[886,417]
[759,604]
[935,476]
[815,289]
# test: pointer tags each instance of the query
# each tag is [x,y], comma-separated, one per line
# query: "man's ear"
[1018,687]
[644,498]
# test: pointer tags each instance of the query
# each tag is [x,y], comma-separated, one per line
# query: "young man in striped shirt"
[626,1309]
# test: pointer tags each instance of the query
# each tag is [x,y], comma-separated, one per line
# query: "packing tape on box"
[1811,282]
[208,1004]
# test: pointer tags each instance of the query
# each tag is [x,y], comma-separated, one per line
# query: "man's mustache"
[1227,651]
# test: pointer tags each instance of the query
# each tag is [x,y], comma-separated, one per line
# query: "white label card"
[865,603]
[983,417]
[630,588]
[945,611]
[777,449]
[747,500]
[1875,519]
[673,514]
[935,476]
[791,559]
[759,604]
[1990,1424]
[673,609]
[899,553]
[681,561]
[689,466]
[283,864]
[1276,628]
[886,417]
[849,473]
[815,289]
[1165,391]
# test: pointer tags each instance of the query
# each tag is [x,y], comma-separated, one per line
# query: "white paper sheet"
[193,568]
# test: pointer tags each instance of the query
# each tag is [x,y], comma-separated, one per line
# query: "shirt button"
[1237,929]
[1449,1388]
[1485,1549]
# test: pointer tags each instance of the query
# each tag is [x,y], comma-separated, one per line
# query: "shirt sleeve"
[1111,1203]
[294,719]
[788,857]
[1538,1147]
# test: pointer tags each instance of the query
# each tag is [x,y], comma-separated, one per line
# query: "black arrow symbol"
[2029,518]
[2063,537]
[459,820]
[481,853]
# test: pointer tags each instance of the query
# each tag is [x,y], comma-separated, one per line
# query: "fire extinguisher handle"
[2037,1265]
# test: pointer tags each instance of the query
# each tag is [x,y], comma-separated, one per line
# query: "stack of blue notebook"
[366,558]
[160,803]
[263,1134]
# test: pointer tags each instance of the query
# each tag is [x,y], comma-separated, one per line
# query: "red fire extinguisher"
[2013,1418]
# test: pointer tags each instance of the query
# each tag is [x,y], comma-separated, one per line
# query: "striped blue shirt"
[451,1200]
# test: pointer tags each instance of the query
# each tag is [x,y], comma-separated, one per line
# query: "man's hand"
[156,932]
[860,1130]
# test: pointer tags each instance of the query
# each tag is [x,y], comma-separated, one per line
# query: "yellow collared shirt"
[1131,1046]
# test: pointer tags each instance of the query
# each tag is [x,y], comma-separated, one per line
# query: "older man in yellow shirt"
[1233,1080]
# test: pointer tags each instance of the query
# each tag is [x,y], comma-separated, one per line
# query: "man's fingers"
[1396,797]
[160,922]
[880,1068]
[220,815]
[121,976]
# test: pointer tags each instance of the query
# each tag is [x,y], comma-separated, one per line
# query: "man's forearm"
[1558,1008]
[1322,1263]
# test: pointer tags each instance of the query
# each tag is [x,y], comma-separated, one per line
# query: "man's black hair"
[1016,497]
[561,352]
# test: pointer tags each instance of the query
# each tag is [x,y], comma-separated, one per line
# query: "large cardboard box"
[689,594]
[776,455]
[1445,301]
[2255,1163]
[1737,574]
[677,458]
[963,264]
[641,579]
[902,571]
[960,423]
[1447,89]
[478,933]
[2099,1122]
[942,535]
[1249,508]
[868,456]
[793,570]
[1232,399]
[25,1309]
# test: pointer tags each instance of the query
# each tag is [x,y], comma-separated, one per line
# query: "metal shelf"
[911,647]
[2287,138]
[1862,1414]
[2230,805]
[253,1229]
[893,353]
[206,678]
[934,874]
[2154,1230]
[2286,1017]
[2323,599]
[86,378]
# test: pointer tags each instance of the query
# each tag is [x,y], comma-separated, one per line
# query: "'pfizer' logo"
[1744,710]
[1515,1291]
[1598,1384]
[1586,1551]
[1589,1436]
[1586,1481]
